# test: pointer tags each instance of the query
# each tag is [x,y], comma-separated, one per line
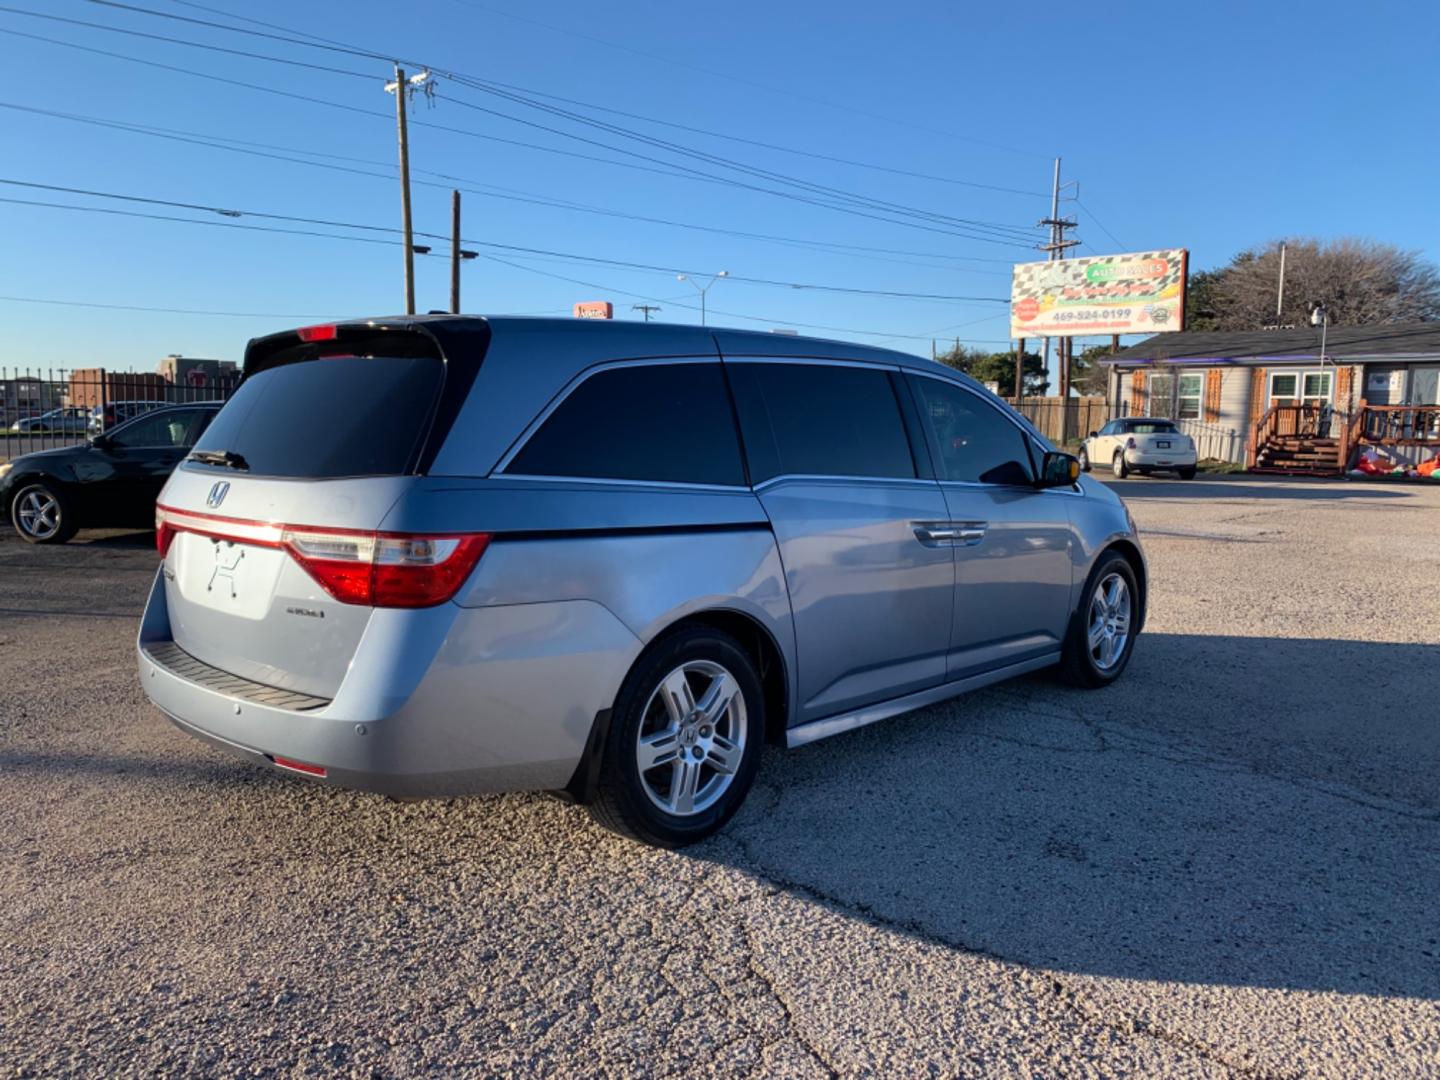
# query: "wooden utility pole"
[400,86]
[455,253]
[1019,371]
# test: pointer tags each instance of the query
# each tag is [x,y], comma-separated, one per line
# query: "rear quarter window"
[330,417]
[668,423]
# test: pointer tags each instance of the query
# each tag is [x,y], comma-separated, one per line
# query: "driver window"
[974,441]
[161,429]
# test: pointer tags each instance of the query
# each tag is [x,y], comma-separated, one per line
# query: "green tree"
[999,368]
[1088,377]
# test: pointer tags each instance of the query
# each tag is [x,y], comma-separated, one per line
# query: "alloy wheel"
[38,513]
[1109,628]
[692,738]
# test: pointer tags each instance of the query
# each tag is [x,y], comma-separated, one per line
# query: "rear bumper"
[500,699]
[1163,459]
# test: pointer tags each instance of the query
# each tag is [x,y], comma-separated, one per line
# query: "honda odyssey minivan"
[445,555]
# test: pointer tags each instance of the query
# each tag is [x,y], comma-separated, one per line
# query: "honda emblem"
[217,493]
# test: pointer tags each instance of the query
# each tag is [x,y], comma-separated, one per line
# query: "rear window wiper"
[227,458]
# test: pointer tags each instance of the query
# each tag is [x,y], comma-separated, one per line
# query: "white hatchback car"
[1140,444]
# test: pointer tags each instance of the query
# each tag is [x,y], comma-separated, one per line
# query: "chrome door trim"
[682,485]
[870,714]
[810,478]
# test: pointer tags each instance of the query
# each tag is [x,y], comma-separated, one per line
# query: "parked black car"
[110,481]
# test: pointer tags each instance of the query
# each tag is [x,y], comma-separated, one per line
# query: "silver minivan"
[441,555]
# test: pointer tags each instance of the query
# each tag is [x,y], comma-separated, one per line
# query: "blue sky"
[1212,127]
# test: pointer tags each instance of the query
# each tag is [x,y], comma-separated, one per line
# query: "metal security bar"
[46,408]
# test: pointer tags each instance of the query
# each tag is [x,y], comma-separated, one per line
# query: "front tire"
[42,514]
[1118,466]
[684,741]
[1102,630]
[1084,459]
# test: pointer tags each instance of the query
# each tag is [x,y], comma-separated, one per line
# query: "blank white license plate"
[1162,445]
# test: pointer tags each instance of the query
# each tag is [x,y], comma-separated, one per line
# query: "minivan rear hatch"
[274,557]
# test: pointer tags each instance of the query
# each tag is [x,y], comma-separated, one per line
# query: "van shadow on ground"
[1235,811]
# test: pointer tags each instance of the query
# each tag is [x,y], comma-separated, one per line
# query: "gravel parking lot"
[1227,864]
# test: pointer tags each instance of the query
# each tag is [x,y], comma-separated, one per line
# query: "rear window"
[670,423]
[1153,428]
[331,417]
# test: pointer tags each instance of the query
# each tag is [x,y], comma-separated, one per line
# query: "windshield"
[329,417]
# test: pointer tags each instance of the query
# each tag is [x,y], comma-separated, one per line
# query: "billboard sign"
[595,309]
[1139,293]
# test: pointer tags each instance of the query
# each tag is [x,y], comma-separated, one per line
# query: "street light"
[1320,316]
[702,290]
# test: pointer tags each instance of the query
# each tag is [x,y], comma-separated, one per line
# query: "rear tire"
[42,514]
[1118,465]
[693,707]
[1188,474]
[1094,654]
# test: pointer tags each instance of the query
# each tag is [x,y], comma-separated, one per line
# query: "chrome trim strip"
[612,482]
[870,714]
[813,361]
[910,481]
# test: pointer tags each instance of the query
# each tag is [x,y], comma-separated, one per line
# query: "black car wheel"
[42,514]
[684,740]
[1103,628]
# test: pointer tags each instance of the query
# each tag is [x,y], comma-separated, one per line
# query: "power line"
[747,82]
[1100,224]
[668,169]
[881,205]
[231,212]
[262,150]
[160,310]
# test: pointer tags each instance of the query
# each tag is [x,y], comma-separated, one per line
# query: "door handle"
[949,533]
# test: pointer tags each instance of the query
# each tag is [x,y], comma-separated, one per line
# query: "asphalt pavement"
[1226,864]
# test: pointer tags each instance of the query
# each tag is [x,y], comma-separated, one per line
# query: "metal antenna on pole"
[646,308]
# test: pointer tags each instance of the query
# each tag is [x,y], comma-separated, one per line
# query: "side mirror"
[1058,470]
[100,442]
[1094,434]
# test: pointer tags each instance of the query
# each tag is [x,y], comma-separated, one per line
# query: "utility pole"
[398,88]
[454,252]
[1057,248]
[1020,371]
[646,308]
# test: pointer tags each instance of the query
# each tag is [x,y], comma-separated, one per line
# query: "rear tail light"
[374,569]
[386,569]
[319,333]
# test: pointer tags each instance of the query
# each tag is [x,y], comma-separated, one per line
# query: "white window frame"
[1300,375]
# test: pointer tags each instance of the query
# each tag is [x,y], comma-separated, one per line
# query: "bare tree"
[1359,281]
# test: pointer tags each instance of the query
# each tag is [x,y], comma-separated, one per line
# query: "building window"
[1316,386]
[1176,397]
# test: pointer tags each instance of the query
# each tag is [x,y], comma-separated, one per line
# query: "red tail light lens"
[386,569]
[164,533]
[318,333]
[374,569]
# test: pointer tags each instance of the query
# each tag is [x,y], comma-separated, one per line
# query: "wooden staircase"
[1307,455]
[1296,439]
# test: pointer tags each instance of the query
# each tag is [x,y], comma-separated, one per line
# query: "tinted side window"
[973,441]
[663,422]
[820,420]
[157,429]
